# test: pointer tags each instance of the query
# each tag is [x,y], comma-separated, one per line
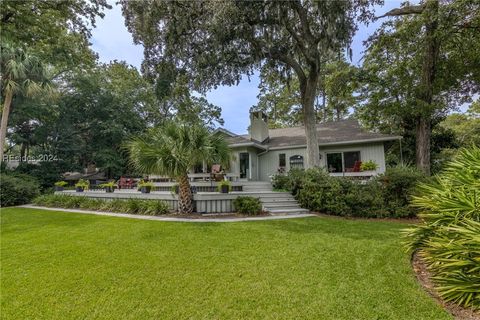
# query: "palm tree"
[173,149]
[22,73]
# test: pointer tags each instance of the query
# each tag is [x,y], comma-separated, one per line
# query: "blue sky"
[112,41]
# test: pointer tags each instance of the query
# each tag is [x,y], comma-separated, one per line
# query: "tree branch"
[403,11]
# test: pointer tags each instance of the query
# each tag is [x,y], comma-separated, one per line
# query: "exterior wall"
[254,165]
[371,151]
[268,162]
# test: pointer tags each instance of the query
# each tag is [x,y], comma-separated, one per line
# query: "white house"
[264,152]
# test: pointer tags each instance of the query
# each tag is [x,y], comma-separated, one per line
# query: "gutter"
[337,143]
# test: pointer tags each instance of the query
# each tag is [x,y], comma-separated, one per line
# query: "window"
[282,162]
[350,159]
[296,162]
[334,162]
[343,161]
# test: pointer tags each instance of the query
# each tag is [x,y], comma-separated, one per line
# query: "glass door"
[244,164]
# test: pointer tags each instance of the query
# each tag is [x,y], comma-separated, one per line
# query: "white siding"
[268,162]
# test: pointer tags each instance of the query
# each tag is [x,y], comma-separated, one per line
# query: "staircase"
[275,203]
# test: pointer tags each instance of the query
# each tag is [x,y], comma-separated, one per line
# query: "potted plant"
[145,186]
[175,189]
[81,185]
[369,165]
[60,185]
[224,186]
[108,186]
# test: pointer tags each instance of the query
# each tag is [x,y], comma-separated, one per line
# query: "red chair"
[356,166]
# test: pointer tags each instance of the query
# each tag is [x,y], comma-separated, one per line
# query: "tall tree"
[21,72]
[216,42]
[431,48]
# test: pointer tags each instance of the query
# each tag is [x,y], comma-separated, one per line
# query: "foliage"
[394,68]
[466,126]
[174,148]
[110,184]
[142,183]
[17,189]
[280,182]
[224,183]
[384,196]
[132,206]
[289,38]
[46,173]
[82,184]
[248,205]
[368,165]
[60,184]
[448,237]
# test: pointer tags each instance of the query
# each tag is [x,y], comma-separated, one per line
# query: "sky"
[112,41]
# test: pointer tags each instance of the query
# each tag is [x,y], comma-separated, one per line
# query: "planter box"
[109,189]
[79,189]
[224,189]
[146,189]
[59,188]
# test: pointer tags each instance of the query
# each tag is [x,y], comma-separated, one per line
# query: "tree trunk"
[185,203]
[423,125]
[308,93]
[4,122]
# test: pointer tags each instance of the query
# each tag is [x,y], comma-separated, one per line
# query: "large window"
[282,162]
[296,162]
[343,161]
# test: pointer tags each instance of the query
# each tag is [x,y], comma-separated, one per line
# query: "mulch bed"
[214,216]
[413,220]
[424,277]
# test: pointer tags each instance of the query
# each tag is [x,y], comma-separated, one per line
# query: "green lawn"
[59,265]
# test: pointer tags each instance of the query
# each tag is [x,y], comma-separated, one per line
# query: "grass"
[58,265]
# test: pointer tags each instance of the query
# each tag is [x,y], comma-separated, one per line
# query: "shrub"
[398,183]
[17,189]
[281,182]
[132,206]
[82,184]
[248,205]
[365,200]
[448,239]
[369,165]
[224,183]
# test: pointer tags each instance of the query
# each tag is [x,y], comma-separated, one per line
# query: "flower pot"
[59,188]
[109,189]
[146,189]
[224,189]
[79,189]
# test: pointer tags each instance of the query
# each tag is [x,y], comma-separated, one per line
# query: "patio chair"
[216,173]
[356,166]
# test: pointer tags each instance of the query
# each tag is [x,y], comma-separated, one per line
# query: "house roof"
[329,133]
[87,176]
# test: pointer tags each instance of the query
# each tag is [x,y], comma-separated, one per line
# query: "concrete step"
[288,211]
[278,201]
[281,205]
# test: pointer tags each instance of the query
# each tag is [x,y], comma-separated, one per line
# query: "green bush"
[132,206]
[248,205]
[17,189]
[368,165]
[385,196]
[280,182]
[448,239]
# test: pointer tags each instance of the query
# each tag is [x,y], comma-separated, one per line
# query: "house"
[265,152]
[91,173]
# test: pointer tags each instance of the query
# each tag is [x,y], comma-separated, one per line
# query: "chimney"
[258,126]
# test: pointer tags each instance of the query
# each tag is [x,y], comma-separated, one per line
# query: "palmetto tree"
[22,73]
[173,149]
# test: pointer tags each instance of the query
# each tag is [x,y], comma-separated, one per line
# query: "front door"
[244,165]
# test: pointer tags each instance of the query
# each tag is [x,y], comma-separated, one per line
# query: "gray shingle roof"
[334,132]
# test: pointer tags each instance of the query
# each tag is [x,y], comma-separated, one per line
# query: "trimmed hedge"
[385,196]
[17,189]
[132,206]
[248,205]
